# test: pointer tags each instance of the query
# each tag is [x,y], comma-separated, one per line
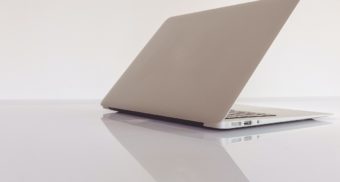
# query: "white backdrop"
[77,49]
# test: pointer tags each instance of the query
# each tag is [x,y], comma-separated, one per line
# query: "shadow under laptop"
[177,152]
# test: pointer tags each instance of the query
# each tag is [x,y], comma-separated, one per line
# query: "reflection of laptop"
[196,65]
[169,157]
[173,152]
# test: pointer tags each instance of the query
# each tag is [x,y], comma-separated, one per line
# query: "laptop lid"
[196,65]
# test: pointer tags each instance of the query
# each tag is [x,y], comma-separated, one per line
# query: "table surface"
[78,141]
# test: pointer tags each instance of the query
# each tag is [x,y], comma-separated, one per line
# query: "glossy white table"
[66,141]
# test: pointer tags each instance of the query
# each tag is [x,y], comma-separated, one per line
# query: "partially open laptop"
[196,65]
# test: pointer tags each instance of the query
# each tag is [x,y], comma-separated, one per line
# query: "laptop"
[196,65]
[175,152]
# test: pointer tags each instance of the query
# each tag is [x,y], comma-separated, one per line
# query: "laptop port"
[236,124]
[247,123]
